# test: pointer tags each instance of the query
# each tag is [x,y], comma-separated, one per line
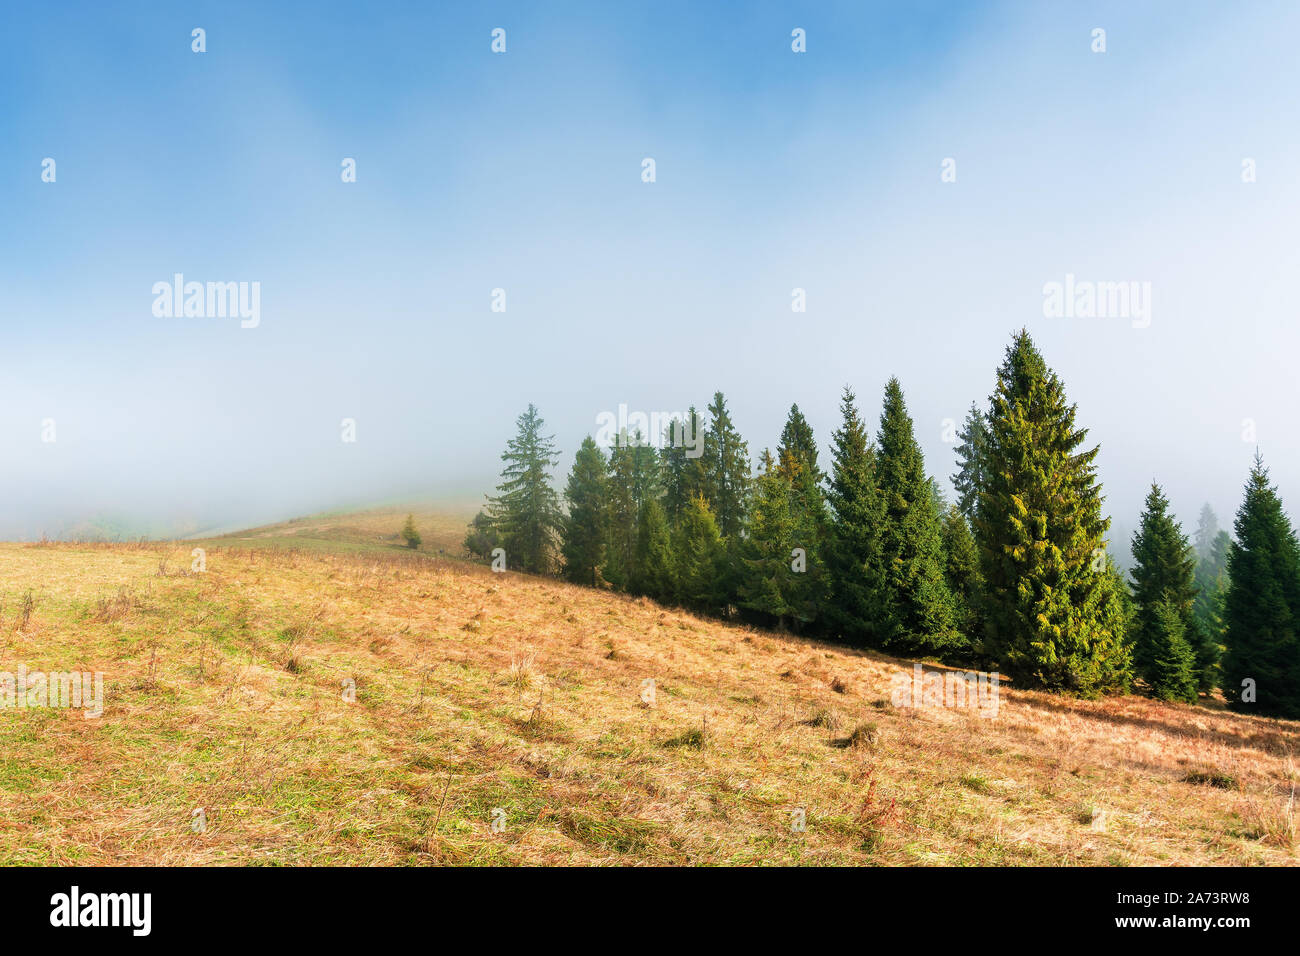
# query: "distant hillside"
[442,527]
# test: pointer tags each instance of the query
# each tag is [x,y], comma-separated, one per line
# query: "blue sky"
[521,171]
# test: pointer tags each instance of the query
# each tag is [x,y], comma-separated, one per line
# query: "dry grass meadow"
[478,691]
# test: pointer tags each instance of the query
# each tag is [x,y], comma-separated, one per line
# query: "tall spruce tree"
[766,580]
[1207,529]
[969,477]
[586,526]
[1211,588]
[798,443]
[621,516]
[725,464]
[633,480]
[809,590]
[1262,606]
[647,473]
[919,607]
[526,510]
[854,556]
[1049,614]
[1163,578]
[962,573]
[1117,614]
[682,466]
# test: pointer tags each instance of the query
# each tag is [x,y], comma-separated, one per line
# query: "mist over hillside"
[378,297]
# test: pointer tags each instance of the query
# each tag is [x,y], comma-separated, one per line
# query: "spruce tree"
[646,471]
[853,555]
[620,519]
[682,467]
[725,465]
[1211,579]
[526,510]
[1050,614]
[1207,530]
[938,500]
[585,527]
[919,608]
[633,479]
[766,580]
[969,478]
[809,589]
[410,534]
[1163,574]
[481,537]
[1171,671]
[700,556]
[810,592]
[1116,616]
[1211,588]
[1262,605]
[962,573]
[798,443]
[655,568]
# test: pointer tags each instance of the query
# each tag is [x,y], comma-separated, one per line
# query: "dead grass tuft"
[1212,778]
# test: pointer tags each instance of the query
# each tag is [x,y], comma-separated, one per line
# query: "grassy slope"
[478,691]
